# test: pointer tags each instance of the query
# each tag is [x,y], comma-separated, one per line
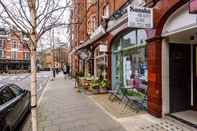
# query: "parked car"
[14,104]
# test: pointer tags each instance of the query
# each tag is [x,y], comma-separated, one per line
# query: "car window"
[16,90]
[6,95]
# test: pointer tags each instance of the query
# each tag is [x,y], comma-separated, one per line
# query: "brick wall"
[8,47]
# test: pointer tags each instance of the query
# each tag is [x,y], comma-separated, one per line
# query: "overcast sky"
[61,34]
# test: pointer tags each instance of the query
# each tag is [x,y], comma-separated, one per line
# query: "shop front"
[180,50]
[100,61]
[172,63]
[129,61]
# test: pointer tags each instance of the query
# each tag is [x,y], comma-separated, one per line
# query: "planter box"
[103,90]
[95,91]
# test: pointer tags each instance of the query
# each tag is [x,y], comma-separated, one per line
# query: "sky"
[61,34]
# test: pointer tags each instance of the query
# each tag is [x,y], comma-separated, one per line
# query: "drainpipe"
[97,13]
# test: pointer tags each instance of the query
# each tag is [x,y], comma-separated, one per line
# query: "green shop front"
[129,61]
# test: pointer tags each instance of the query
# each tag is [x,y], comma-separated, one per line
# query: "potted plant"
[95,87]
[103,84]
[77,79]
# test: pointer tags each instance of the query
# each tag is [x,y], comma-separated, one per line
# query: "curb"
[44,91]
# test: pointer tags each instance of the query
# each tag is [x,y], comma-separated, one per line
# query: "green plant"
[135,93]
[95,84]
[103,84]
[78,74]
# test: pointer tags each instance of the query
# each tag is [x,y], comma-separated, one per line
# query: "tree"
[34,18]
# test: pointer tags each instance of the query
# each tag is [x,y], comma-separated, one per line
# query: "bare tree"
[34,18]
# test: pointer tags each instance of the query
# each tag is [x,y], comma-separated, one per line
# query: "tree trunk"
[34,91]
[33,15]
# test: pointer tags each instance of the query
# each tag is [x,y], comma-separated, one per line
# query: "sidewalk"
[64,109]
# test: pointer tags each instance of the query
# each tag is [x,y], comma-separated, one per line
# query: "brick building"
[162,59]
[50,58]
[14,56]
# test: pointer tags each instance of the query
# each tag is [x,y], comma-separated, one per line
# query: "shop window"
[129,39]
[129,62]
[100,66]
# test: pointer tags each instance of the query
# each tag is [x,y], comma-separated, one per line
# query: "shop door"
[195,78]
[180,77]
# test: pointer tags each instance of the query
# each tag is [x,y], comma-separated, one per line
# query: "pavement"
[62,108]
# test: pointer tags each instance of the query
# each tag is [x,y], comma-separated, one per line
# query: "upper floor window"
[106,11]
[93,23]
[88,27]
[14,44]
[90,2]
[1,43]
[14,55]
[1,53]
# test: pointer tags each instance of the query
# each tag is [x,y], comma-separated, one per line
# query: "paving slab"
[64,109]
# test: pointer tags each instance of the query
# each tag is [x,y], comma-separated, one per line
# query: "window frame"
[1,43]
[106,10]
[14,44]
[14,53]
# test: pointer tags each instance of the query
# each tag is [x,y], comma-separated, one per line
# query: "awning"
[98,33]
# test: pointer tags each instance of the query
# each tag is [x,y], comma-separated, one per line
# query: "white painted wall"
[165,78]
[180,21]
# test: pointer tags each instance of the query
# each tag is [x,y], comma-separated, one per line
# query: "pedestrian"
[68,70]
[53,69]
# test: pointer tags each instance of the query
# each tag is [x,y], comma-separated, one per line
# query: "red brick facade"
[162,10]
[20,48]
[14,54]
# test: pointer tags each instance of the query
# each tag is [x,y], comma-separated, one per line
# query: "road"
[24,80]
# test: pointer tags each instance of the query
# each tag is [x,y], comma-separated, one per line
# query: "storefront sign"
[103,48]
[193,6]
[140,17]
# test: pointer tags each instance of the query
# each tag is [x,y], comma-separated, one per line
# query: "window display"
[100,66]
[129,63]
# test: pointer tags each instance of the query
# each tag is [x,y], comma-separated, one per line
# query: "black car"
[14,104]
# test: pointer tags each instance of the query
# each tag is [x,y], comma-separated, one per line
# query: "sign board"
[193,6]
[103,48]
[140,17]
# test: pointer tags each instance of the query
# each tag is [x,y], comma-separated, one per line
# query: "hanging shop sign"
[103,48]
[84,54]
[140,17]
[193,6]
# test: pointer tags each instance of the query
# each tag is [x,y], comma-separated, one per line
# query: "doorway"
[180,77]
[195,78]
